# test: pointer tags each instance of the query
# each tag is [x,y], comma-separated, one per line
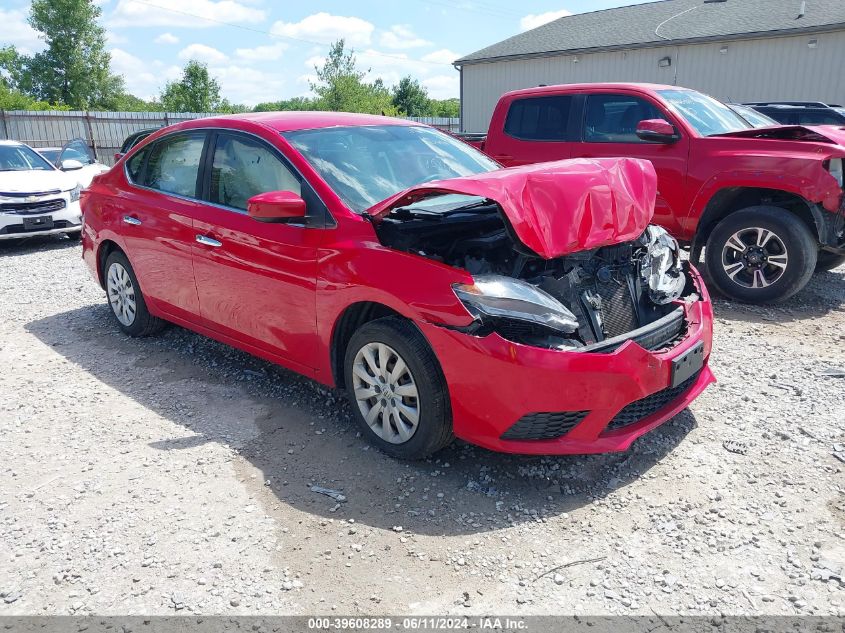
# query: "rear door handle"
[208,241]
[128,219]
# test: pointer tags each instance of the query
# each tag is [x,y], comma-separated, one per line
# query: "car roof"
[11,142]
[643,87]
[290,121]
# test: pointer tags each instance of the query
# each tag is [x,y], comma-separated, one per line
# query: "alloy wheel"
[121,294]
[386,392]
[754,257]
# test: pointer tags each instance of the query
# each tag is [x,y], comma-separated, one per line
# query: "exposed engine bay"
[591,300]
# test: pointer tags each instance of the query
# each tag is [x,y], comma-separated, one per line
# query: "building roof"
[664,22]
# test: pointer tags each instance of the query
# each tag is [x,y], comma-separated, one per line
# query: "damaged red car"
[526,310]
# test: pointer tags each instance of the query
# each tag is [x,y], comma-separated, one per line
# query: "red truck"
[766,205]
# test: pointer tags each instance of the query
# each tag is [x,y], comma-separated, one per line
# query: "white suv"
[35,197]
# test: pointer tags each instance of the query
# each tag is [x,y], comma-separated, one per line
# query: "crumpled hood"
[35,181]
[814,133]
[559,207]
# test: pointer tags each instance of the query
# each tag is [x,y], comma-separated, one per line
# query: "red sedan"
[526,310]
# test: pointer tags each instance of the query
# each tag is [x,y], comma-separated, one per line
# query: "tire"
[392,338]
[123,292]
[771,273]
[829,261]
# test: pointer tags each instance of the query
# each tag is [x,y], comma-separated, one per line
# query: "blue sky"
[263,50]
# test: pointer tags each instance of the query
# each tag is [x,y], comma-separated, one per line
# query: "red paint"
[278,290]
[694,168]
[562,207]
[275,205]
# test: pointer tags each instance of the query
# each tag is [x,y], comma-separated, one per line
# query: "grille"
[649,405]
[18,228]
[39,206]
[544,426]
[665,336]
[618,311]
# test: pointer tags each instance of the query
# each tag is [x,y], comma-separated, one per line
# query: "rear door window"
[174,162]
[539,118]
[614,118]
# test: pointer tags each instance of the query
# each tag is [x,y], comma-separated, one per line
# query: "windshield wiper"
[412,212]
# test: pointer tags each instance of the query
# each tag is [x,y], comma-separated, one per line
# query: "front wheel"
[760,255]
[398,392]
[829,261]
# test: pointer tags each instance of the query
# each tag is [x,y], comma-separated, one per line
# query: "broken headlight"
[660,268]
[506,298]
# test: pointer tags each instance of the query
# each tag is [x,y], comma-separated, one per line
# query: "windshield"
[704,113]
[22,158]
[755,118]
[50,154]
[366,164]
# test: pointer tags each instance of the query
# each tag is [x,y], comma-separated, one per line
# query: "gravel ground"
[173,474]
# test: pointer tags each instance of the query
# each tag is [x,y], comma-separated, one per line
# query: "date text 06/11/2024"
[430,623]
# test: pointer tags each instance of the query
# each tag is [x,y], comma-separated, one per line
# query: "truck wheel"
[126,300]
[829,261]
[761,255]
[398,392]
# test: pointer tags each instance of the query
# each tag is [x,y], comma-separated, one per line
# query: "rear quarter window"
[539,118]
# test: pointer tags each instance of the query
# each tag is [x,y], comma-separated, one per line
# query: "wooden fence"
[105,131]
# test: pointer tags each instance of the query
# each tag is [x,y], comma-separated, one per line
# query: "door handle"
[501,157]
[208,241]
[128,219]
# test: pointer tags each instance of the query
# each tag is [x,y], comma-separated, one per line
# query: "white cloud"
[183,13]
[271,52]
[443,86]
[532,21]
[240,84]
[326,28]
[15,30]
[443,56]
[166,38]
[203,53]
[401,36]
[143,79]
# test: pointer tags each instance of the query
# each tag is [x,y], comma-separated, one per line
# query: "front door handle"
[501,157]
[208,241]
[128,219]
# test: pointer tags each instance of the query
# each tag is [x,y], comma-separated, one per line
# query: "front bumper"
[619,396]
[64,220]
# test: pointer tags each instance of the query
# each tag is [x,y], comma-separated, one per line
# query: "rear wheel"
[397,389]
[829,261]
[126,299]
[761,255]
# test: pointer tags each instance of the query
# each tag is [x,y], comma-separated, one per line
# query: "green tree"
[410,98]
[341,87]
[295,103]
[196,91]
[74,68]
[447,108]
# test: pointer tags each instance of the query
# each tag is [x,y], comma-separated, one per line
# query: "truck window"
[539,118]
[614,118]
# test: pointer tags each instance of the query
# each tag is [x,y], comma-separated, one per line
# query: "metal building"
[735,50]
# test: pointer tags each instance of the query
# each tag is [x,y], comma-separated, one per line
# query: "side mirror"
[71,165]
[275,206]
[657,131]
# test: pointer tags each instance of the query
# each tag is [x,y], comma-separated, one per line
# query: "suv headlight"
[506,298]
[74,193]
[661,266]
[835,168]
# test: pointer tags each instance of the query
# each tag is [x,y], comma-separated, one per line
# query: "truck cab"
[766,203]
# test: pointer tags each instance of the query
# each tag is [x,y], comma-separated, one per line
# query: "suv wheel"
[761,255]
[397,389]
[829,261]
[126,299]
